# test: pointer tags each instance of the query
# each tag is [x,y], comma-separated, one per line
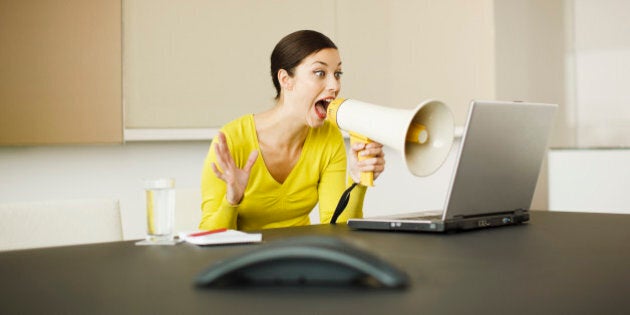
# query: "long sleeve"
[216,211]
[332,185]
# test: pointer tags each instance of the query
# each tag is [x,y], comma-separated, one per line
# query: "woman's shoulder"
[239,123]
[240,126]
[240,132]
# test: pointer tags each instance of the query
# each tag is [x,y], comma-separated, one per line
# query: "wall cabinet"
[84,72]
[200,64]
[60,72]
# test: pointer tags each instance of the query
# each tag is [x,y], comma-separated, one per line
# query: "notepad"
[225,237]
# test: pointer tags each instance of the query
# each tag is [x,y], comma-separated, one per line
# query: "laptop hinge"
[519,211]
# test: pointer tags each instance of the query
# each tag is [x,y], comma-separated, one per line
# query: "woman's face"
[316,82]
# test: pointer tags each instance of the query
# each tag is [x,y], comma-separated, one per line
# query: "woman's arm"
[216,211]
[332,177]
[332,184]
[222,186]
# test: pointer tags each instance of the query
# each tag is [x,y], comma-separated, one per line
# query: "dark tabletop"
[568,263]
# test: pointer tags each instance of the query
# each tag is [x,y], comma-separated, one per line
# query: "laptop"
[495,174]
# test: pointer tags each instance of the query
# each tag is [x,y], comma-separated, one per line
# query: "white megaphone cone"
[423,135]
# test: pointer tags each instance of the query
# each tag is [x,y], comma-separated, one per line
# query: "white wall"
[601,66]
[591,175]
[115,172]
[589,180]
[99,171]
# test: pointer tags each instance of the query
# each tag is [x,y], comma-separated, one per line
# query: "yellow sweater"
[318,176]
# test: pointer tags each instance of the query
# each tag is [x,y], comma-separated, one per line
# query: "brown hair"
[292,49]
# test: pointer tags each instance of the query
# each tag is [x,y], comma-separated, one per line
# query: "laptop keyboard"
[418,217]
[424,217]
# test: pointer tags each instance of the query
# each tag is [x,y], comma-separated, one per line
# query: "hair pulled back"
[292,49]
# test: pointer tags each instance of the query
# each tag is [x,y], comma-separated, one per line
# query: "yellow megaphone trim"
[332,109]
[367,178]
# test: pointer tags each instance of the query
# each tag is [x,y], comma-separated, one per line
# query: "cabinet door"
[399,53]
[60,72]
[200,64]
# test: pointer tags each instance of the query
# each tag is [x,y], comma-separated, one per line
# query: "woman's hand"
[374,164]
[235,178]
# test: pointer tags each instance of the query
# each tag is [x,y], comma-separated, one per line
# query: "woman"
[270,169]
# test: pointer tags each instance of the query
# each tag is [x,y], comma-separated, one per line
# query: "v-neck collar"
[297,164]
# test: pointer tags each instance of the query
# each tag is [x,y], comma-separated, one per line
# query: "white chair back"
[57,223]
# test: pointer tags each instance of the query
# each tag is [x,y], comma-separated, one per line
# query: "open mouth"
[321,107]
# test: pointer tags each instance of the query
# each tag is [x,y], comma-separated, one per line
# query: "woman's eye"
[320,73]
[338,74]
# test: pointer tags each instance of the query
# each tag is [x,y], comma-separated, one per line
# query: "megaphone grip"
[367,178]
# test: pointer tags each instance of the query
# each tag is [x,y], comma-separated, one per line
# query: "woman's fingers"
[226,151]
[372,164]
[224,158]
[356,147]
[250,161]
[378,152]
[217,172]
[220,157]
[376,157]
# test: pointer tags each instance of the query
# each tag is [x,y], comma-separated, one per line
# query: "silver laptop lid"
[500,156]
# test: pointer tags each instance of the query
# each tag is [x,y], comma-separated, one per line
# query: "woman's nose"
[333,83]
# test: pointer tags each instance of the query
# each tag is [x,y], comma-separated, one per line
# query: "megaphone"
[423,135]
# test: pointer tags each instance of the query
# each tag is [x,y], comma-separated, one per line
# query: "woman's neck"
[278,126]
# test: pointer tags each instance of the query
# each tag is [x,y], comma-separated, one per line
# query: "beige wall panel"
[442,50]
[601,67]
[530,65]
[60,72]
[363,36]
[197,63]
[531,53]
[399,53]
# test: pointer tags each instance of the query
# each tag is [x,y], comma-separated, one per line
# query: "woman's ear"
[285,79]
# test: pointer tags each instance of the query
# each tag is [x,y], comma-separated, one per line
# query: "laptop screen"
[501,153]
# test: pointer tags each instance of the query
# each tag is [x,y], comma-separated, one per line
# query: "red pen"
[207,232]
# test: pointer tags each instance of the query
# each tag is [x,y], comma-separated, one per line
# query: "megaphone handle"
[367,178]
